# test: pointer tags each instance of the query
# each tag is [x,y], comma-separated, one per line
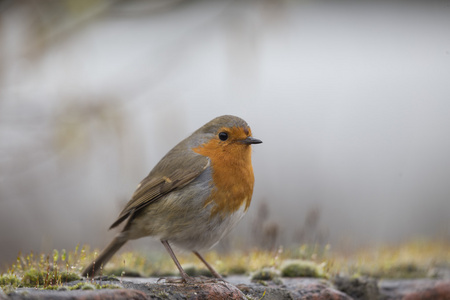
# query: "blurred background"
[351,100]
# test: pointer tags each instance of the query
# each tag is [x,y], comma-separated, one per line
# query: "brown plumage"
[194,196]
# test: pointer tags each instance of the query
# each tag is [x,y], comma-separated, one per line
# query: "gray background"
[351,99]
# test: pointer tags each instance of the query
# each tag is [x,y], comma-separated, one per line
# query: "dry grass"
[412,259]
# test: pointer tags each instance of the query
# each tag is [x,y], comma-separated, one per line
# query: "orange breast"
[232,174]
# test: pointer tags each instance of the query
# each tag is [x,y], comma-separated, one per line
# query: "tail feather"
[95,266]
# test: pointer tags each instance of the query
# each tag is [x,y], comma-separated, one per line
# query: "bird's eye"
[223,136]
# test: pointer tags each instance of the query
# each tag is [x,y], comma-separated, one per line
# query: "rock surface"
[417,289]
[360,288]
[299,288]
[211,290]
[240,287]
[120,294]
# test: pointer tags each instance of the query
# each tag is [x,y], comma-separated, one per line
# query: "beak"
[250,140]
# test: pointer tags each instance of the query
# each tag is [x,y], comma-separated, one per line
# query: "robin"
[194,196]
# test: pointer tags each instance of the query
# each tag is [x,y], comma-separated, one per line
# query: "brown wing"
[154,187]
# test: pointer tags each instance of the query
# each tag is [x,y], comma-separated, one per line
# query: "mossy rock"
[265,274]
[93,286]
[69,276]
[110,286]
[83,286]
[301,268]
[33,277]
[87,287]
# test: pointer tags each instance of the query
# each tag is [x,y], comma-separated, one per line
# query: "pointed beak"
[250,140]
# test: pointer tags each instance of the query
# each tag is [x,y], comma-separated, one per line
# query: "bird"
[194,195]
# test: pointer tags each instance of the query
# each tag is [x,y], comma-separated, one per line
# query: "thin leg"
[210,268]
[184,275]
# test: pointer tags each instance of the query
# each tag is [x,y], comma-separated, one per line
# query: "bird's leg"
[210,268]
[184,275]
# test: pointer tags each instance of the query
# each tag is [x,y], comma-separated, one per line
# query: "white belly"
[208,232]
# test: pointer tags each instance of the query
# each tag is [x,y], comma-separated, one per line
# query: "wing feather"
[153,187]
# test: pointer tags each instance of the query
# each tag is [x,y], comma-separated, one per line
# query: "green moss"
[69,276]
[265,274]
[87,286]
[47,279]
[8,283]
[301,268]
[83,286]
[51,287]
[108,278]
[9,279]
[33,277]
[110,286]
[91,286]
[78,286]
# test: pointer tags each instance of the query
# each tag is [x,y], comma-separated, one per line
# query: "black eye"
[223,136]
